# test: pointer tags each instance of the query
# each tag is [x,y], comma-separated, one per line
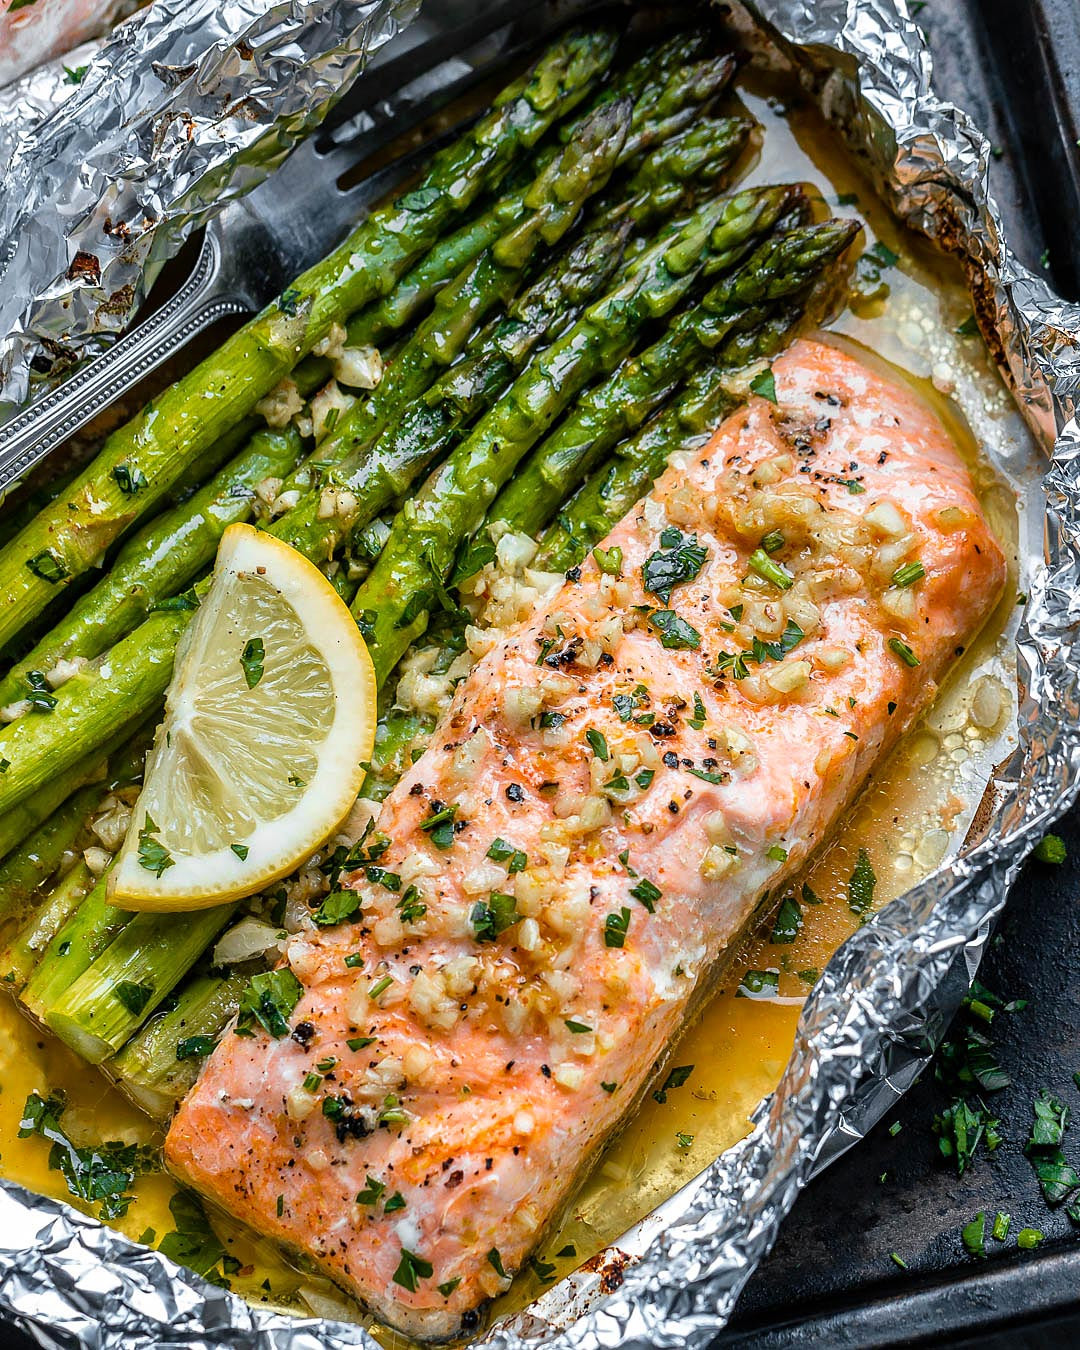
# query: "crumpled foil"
[886,997]
[188,105]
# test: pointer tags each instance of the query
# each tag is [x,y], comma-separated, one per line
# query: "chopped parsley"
[153,855]
[411,1269]
[676,1078]
[501,851]
[98,1173]
[336,908]
[133,996]
[788,921]
[410,908]
[491,919]
[904,652]
[679,559]
[48,566]
[616,927]
[1056,1177]
[577,1028]
[675,633]
[598,744]
[251,661]
[241,851]
[764,384]
[269,1000]
[129,478]
[759,984]
[861,884]
[194,1047]
[647,893]
[439,826]
[39,695]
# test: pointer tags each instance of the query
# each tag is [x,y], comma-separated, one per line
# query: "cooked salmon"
[618,784]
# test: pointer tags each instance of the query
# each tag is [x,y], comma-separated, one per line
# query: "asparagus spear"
[157,562]
[67,537]
[367,482]
[158,1066]
[782,266]
[448,256]
[107,1004]
[614,488]
[31,865]
[33,938]
[393,602]
[550,207]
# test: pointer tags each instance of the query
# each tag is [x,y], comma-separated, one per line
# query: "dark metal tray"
[830,1281]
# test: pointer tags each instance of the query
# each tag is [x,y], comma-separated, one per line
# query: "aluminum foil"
[188,105]
[886,997]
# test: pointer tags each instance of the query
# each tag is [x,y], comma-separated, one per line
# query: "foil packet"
[883,1002]
[188,105]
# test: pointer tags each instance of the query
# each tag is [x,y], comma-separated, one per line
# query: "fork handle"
[29,436]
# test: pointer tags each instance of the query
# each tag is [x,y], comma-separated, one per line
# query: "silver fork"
[260,242]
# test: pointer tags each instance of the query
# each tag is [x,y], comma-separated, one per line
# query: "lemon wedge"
[269,717]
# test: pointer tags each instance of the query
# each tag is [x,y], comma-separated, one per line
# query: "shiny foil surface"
[188,105]
[886,997]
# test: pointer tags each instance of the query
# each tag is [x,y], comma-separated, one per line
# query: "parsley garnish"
[495,917]
[904,652]
[758,984]
[598,744]
[647,893]
[675,1079]
[194,1047]
[616,926]
[440,826]
[907,574]
[47,565]
[411,1269]
[153,855]
[133,996]
[269,1000]
[788,921]
[501,851]
[679,559]
[336,908]
[861,884]
[251,659]
[764,384]
[675,633]
[129,478]
[241,851]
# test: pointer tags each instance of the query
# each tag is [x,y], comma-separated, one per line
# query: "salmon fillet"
[617,784]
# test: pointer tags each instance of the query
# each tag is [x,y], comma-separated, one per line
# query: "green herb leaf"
[491,919]
[269,1000]
[251,660]
[129,478]
[675,633]
[904,652]
[577,1028]
[616,927]
[47,565]
[439,826]
[764,384]
[861,884]
[153,855]
[133,996]
[788,921]
[448,1286]
[598,744]
[241,851]
[194,1047]
[336,908]
[679,560]
[647,893]
[676,1078]
[411,1269]
[759,984]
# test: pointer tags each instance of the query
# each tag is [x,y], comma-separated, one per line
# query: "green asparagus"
[550,207]
[392,604]
[613,489]
[152,449]
[157,562]
[158,1066]
[27,946]
[364,484]
[107,1004]
[782,266]
[31,865]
